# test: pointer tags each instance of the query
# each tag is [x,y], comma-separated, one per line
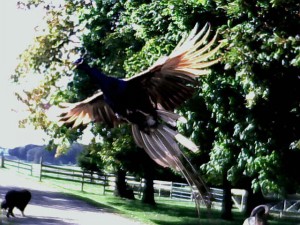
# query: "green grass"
[166,212]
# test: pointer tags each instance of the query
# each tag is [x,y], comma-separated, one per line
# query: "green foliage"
[89,161]
[118,150]
[254,103]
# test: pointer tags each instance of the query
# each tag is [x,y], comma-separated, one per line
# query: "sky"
[16,33]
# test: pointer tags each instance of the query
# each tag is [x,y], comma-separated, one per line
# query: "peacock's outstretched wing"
[170,81]
[92,109]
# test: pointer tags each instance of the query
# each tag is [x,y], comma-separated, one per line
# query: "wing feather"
[160,144]
[92,109]
[151,146]
[157,150]
[167,78]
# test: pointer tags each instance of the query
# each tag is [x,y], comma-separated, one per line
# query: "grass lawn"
[166,212]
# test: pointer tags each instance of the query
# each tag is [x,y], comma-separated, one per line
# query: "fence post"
[31,170]
[2,160]
[104,184]
[244,200]
[41,168]
[82,180]
[159,190]
[141,187]
[171,189]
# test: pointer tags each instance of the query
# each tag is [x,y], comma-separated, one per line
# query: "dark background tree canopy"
[34,153]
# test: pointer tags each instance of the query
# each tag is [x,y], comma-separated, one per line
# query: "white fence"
[289,207]
[183,192]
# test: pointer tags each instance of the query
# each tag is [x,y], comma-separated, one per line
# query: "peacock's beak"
[78,62]
[75,64]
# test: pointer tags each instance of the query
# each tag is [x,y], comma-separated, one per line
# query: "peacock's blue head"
[78,62]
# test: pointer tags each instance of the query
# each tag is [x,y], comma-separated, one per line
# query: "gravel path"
[49,207]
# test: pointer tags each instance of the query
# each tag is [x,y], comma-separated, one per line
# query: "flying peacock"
[147,101]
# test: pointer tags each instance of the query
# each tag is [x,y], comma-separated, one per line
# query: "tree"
[253,103]
[120,154]
[89,161]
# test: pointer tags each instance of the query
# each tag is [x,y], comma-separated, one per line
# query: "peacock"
[147,102]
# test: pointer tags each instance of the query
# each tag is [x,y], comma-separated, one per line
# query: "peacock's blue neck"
[108,85]
[96,75]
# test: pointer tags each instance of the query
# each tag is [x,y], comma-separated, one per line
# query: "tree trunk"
[122,189]
[149,173]
[148,192]
[253,199]
[91,174]
[120,183]
[227,202]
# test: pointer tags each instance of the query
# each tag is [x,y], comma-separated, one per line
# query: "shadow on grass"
[96,203]
[170,214]
[167,208]
[188,216]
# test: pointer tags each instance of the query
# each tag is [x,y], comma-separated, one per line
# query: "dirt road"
[49,207]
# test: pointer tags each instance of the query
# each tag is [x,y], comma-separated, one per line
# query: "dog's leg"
[10,211]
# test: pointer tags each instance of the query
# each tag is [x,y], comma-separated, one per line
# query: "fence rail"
[173,190]
[20,166]
[74,175]
[289,207]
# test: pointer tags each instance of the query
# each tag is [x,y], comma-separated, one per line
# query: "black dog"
[16,198]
